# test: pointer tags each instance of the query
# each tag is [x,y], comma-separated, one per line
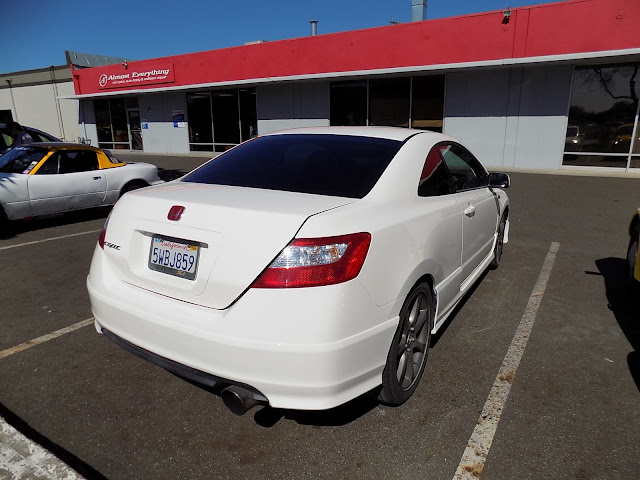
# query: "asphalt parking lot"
[573,410]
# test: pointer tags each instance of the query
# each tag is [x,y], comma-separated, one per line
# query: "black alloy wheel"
[409,349]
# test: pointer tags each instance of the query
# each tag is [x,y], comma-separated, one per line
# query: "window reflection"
[427,103]
[119,121]
[389,102]
[199,112]
[595,160]
[220,119]
[348,103]
[226,116]
[602,115]
[103,122]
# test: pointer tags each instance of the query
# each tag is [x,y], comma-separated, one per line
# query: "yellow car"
[632,251]
[46,178]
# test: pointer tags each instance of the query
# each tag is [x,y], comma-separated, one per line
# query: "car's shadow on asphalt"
[443,328]
[624,302]
[13,229]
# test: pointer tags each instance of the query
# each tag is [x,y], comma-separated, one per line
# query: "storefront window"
[119,123]
[103,123]
[200,125]
[248,114]
[385,101]
[111,123]
[389,102]
[348,103]
[602,116]
[220,119]
[427,102]
[226,119]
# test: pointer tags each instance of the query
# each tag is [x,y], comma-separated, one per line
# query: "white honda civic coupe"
[302,268]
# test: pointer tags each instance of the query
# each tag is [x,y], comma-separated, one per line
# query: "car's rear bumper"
[309,349]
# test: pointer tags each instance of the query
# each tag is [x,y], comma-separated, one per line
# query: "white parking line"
[45,338]
[477,450]
[22,458]
[48,239]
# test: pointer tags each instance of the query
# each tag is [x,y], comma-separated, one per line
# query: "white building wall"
[69,111]
[510,117]
[157,111]
[291,105]
[5,101]
[38,106]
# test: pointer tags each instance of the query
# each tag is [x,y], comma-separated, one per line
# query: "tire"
[632,256]
[497,250]
[134,185]
[409,349]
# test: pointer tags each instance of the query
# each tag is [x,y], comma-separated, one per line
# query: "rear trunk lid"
[238,231]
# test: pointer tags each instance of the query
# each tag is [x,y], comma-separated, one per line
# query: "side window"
[37,137]
[434,180]
[50,166]
[72,161]
[466,170]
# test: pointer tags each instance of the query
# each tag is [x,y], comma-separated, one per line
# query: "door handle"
[97,178]
[470,211]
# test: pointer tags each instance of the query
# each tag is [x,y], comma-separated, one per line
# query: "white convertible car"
[45,178]
[303,268]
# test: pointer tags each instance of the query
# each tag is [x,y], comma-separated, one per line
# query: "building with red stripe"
[542,87]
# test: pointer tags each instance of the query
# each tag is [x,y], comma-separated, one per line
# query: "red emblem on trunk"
[175,213]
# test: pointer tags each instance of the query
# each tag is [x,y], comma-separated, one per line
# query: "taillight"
[103,233]
[312,262]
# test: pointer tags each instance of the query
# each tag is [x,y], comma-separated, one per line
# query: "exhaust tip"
[238,399]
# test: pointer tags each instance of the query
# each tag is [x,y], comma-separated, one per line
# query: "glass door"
[135,129]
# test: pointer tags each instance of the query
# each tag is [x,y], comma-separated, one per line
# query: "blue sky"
[37,32]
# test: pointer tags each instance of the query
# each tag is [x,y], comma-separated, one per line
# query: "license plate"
[174,257]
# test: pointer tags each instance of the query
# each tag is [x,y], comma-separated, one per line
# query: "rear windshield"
[335,165]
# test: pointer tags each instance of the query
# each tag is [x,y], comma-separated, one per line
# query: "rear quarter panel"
[118,177]
[411,236]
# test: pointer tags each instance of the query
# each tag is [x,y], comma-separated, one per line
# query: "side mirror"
[499,180]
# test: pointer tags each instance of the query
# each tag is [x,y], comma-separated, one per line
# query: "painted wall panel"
[162,136]
[476,112]
[542,120]
[511,117]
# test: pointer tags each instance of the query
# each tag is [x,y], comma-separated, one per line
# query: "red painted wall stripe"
[576,26]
